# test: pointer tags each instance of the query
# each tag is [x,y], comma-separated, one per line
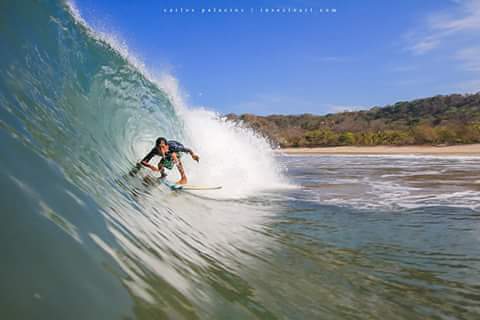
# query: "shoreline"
[456,150]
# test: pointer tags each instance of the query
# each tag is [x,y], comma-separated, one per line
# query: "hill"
[450,119]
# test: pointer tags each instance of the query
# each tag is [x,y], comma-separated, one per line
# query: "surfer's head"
[162,145]
[161,142]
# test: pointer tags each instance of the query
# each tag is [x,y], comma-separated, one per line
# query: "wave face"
[76,114]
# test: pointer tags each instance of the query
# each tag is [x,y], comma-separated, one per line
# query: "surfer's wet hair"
[159,140]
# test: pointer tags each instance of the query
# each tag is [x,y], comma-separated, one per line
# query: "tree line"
[451,119]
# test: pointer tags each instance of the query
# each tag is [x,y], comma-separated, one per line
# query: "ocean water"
[288,237]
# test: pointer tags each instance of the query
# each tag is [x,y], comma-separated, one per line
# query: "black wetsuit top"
[173,146]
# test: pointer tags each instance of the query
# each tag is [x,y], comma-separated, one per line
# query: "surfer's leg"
[161,168]
[178,162]
[163,173]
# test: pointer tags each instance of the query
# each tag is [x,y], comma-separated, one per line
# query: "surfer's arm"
[147,158]
[152,167]
[194,156]
[191,153]
[148,165]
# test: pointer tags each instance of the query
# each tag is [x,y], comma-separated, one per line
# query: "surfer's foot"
[164,175]
[182,181]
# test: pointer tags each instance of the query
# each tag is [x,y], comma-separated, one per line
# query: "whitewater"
[287,237]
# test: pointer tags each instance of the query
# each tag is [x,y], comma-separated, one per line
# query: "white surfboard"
[195,187]
[175,186]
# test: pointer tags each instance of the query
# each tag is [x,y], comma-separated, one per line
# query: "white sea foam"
[232,156]
[390,183]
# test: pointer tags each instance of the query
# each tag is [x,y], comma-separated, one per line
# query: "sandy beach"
[465,150]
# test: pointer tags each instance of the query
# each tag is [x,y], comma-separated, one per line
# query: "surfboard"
[175,186]
[195,187]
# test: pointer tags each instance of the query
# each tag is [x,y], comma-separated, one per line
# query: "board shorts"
[168,162]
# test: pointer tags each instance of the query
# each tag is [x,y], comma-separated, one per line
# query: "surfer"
[170,151]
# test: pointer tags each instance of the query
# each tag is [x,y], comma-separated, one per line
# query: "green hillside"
[452,119]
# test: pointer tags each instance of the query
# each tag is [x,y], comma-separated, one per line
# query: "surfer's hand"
[195,157]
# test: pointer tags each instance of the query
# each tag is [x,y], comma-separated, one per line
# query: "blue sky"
[367,53]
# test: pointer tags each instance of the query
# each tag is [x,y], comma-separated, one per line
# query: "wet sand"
[464,150]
